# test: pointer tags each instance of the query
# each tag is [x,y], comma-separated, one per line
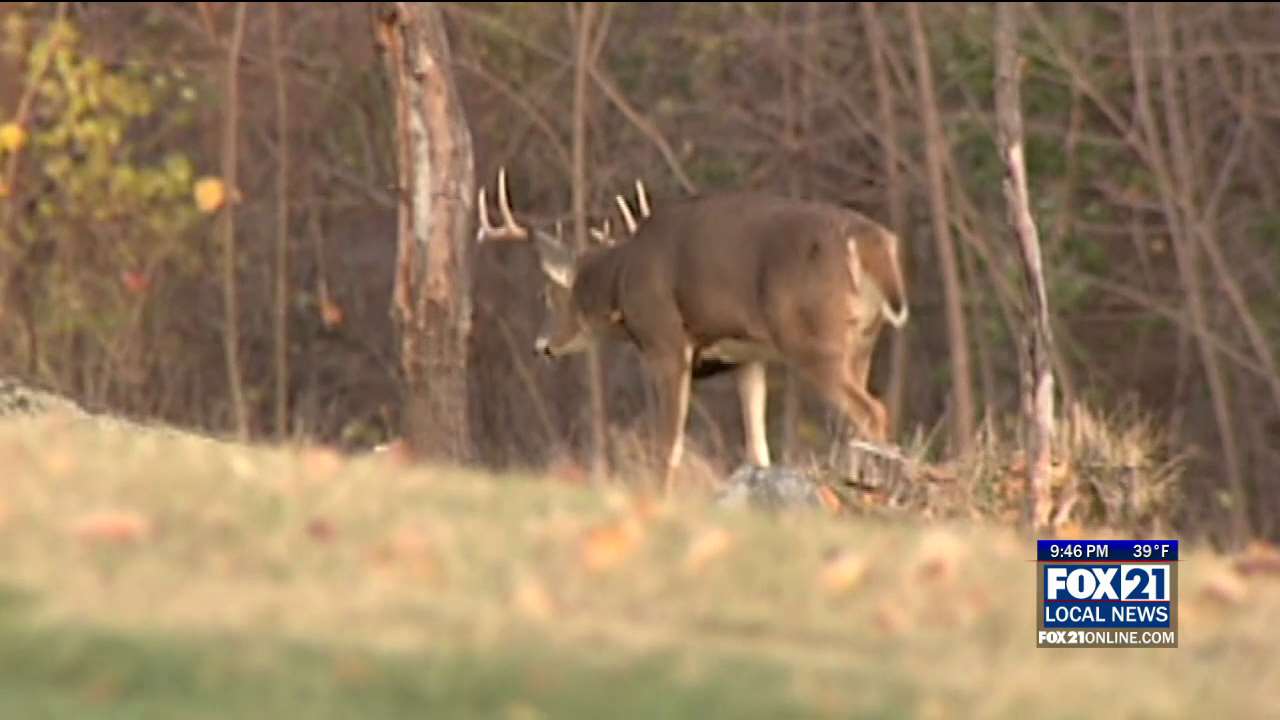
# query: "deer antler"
[602,235]
[626,214]
[642,198]
[510,229]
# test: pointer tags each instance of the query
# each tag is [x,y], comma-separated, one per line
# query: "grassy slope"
[271,583]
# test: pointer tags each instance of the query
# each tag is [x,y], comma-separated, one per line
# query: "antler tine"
[510,229]
[642,198]
[504,203]
[626,214]
[601,234]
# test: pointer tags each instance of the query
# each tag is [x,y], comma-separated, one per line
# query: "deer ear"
[558,260]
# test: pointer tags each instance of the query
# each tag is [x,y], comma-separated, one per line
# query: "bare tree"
[1036,343]
[894,192]
[431,303]
[282,230]
[935,151]
[227,228]
[583,61]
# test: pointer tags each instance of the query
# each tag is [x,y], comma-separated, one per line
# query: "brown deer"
[728,282]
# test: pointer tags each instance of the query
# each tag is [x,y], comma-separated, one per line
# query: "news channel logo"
[1107,593]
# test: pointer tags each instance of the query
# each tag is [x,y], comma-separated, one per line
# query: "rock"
[17,398]
[777,487]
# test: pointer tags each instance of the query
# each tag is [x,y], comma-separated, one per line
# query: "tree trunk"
[595,370]
[935,142]
[227,227]
[431,302]
[895,197]
[1037,376]
[281,315]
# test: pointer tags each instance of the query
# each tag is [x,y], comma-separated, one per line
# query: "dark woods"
[1152,173]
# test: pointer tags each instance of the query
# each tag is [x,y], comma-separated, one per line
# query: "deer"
[726,282]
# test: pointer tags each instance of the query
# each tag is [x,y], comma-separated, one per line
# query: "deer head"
[566,327]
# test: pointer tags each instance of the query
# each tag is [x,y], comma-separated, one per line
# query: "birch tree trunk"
[1035,345]
[431,301]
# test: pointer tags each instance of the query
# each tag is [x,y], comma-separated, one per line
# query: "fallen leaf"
[408,550]
[320,529]
[321,462]
[1259,558]
[533,601]
[708,546]
[210,194]
[842,571]
[112,526]
[1072,531]
[59,462]
[605,546]
[939,556]
[1224,588]
[830,500]
[891,617]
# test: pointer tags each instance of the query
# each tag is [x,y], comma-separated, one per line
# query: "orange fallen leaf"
[1224,588]
[321,462]
[829,499]
[891,617]
[606,546]
[708,546]
[112,526]
[1259,559]
[59,462]
[407,550]
[533,601]
[842,571]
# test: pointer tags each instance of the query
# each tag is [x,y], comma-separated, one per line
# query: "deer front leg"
[671,374]
[752,391]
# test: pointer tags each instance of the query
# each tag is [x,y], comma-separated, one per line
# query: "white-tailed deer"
[727,282]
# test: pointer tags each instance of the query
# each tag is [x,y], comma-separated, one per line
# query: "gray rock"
[17,398]
[777,487]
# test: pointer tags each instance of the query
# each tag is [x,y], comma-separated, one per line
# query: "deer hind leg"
[860,370]
[836,381]
[752,391]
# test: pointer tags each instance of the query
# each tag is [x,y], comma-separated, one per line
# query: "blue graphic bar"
[1107,550]
[1107,615]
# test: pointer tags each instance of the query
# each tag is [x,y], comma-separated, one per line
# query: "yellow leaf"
[12,137]
[533,600]
[708,546]
[210,194]
[842,571]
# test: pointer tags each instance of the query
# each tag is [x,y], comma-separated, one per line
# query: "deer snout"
[542,347]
